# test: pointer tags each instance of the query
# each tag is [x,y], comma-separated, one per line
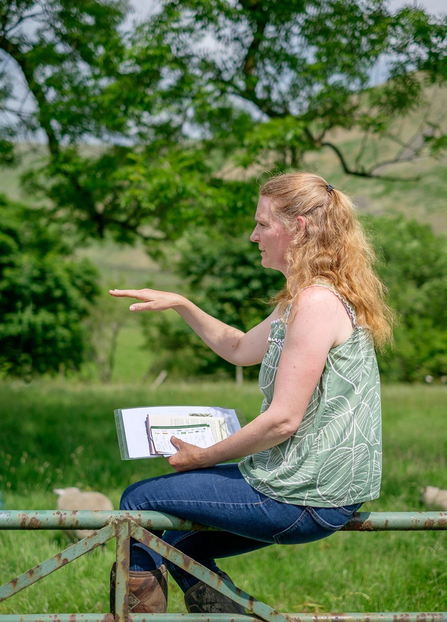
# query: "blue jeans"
[220,497]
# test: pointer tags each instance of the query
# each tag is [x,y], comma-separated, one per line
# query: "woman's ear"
[301,223]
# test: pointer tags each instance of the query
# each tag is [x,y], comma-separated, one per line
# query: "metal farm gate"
[138,525]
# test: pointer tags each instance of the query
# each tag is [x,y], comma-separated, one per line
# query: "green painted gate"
[138,525]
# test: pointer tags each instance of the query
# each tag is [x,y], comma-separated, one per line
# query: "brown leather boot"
[148,591]
[201,598]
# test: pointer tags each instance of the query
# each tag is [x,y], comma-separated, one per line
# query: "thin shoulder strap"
[348,308]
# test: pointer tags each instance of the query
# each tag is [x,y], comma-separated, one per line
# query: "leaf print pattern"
[336,473]
[336,423]
[335,456]
[377,470]
[367,425]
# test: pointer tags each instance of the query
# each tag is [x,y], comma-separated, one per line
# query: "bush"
[44,295]
[413,264]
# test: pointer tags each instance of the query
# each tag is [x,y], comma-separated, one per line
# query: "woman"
[313,455]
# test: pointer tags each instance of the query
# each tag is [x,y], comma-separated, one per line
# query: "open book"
[146,432]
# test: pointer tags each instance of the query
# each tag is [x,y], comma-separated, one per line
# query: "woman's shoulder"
[324,314]
[316,295]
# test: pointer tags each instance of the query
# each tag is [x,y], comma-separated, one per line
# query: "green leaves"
[283,139]
[235,84]
[413,265]
[67,53]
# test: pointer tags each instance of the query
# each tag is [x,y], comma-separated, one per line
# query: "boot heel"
[201,598]
[148,591]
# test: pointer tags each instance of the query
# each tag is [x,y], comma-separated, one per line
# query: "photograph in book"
[146,432]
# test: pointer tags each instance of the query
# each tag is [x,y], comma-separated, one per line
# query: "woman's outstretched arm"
[231,344]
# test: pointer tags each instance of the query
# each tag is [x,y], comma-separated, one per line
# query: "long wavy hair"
[331,248]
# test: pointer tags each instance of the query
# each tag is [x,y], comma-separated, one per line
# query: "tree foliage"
[280,76]
[204,84]
[44,295]
[66,53]
[413,264]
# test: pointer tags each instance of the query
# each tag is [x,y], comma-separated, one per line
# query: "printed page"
[217,425]
[198,435]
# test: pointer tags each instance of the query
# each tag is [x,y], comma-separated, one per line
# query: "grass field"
[58,434]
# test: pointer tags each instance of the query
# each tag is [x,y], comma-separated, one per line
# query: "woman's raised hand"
[152,299]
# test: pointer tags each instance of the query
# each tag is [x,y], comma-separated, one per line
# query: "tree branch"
[18,113]
[5,15]
[362,173]
[259,19]
[21,20]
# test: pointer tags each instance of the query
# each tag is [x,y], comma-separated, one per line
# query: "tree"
[278,80]
[61,60]
[413,264]
[87,81]
[44,295]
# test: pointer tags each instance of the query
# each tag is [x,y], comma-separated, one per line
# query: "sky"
[143,7]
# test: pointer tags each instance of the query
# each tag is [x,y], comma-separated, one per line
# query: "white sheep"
[75,499]
[430,495]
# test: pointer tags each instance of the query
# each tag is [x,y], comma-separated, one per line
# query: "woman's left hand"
[188,456]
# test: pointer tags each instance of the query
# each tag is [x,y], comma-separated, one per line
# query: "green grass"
[58,434]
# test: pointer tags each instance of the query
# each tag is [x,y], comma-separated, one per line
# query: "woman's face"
[271,236]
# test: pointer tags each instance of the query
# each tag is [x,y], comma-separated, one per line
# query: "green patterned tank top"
[335,456]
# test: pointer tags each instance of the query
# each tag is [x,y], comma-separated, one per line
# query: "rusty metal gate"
[138,525]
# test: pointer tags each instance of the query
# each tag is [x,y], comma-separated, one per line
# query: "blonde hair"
[332,248]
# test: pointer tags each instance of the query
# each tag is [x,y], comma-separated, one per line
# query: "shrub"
[44,295]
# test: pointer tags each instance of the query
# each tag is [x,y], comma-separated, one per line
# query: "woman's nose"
[254,235]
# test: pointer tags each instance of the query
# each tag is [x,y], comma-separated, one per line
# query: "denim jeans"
[220,497]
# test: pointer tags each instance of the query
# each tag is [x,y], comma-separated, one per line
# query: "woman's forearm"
[298,374]
[220,337]
[262,433]
[228,342]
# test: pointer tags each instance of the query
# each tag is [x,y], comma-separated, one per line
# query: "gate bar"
[92,519]
[159,521]
[225,617]
[122,570]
